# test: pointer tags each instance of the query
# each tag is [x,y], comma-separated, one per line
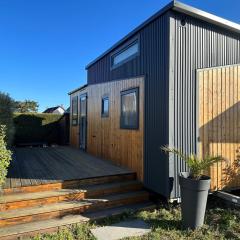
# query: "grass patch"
[222,222]
[73,232]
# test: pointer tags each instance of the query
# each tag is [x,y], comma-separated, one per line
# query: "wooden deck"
[36,166]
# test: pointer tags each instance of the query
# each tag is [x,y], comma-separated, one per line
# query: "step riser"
[42,216]
[39,202]
[30,235]
[69,184]
[72,196]
[118,203]
[121,189]
[60,213]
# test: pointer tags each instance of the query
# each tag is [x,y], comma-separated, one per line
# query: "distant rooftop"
[52,109]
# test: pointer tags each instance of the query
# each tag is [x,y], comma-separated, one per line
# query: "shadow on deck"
[36,166]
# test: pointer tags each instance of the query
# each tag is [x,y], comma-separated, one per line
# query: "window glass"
[105,107]
[83,106]
[75,110]
[125,54]
[129,109]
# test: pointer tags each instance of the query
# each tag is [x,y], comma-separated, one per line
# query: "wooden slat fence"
[219,122]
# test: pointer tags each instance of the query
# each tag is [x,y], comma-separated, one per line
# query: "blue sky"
[46,44]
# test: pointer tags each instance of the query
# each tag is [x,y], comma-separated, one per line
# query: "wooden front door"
[83,122]
[219,122]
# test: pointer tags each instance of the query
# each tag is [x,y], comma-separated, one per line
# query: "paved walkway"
[134,228]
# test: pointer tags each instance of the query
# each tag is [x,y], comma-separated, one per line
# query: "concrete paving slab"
[133,228]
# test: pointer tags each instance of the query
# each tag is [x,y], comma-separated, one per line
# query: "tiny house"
[174,80]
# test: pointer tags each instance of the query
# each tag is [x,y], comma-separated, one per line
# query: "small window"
[125,54]
[130,109]
[105,106]
[75,111]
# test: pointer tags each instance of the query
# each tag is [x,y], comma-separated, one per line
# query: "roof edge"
[182,8]
[78,89]
[134,31]
[209,17]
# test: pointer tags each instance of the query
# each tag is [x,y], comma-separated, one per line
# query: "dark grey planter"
[194,194]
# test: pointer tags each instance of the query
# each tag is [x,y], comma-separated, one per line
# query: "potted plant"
[5,156]
[194,186]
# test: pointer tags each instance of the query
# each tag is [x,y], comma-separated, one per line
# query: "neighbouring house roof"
[52,109]
[182,8]
[78,89]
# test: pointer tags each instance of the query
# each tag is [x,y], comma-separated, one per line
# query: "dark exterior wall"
[153,65]
[197,45]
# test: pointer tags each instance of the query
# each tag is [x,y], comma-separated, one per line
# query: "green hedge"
[37,127]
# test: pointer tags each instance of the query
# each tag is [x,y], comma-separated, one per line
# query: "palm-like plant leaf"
[195,164]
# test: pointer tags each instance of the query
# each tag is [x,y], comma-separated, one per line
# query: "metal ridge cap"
[208,17]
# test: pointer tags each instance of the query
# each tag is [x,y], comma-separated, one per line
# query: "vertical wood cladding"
[105,137]
[152,63]
[218,121]
[195,45]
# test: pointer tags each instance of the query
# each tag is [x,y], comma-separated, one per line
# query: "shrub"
[37,127]
[6,115]
[5,155]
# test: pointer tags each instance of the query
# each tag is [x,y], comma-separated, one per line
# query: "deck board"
[43,166]
[35,166]
[15,172]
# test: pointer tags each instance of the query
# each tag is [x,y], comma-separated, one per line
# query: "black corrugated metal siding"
[196,45]
[153,65]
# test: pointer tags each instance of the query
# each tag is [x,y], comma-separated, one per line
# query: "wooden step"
[111,212]
[76,183]
[21,200]
[33,228]
[60,209]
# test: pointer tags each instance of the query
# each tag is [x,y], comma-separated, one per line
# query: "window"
[75,111]
[125,54]
[130,109]
[105,106]
[83,106]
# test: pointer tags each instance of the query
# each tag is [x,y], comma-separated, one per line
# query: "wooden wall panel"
[105,139]
[219,123]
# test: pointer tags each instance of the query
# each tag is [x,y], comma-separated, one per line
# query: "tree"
[26,106]
[7,106]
